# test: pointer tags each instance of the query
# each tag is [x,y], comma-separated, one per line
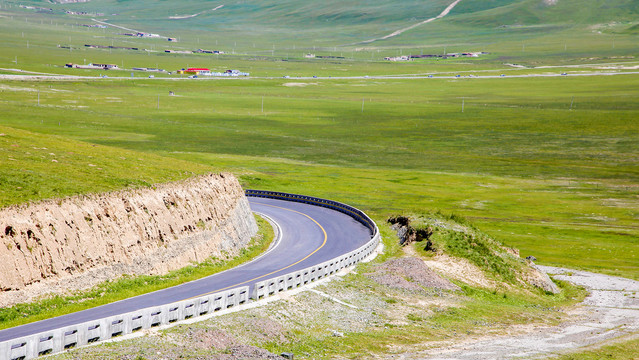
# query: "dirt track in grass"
[610,311]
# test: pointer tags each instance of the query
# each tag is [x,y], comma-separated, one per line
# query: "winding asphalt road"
[309,234]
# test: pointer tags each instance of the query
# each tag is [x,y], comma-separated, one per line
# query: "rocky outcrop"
[73,243]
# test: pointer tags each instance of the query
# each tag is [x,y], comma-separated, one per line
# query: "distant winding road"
[309,235]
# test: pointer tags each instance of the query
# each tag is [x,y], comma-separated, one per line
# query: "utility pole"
[571,102]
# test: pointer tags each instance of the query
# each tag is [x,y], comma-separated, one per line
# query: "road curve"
[310,235]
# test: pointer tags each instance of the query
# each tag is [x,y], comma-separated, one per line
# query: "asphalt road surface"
[309,235]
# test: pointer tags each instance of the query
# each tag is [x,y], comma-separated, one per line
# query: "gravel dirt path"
[611,310]
[400,31]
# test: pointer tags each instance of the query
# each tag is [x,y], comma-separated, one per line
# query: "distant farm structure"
[100,26]
[430,56]
[201,51]
[198,51]
[142,34]
[93,66]
[148,69]
[208,72]
[110,47]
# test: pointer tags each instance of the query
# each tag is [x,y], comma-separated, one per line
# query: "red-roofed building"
[197,71]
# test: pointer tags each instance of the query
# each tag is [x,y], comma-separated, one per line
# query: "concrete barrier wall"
[347,209]
[298,278]
[57,340]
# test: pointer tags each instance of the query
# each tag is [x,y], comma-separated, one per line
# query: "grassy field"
[616,351]
[518,161]
[547,165]
[270,38]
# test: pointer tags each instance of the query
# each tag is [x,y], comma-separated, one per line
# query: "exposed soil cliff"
[74,243]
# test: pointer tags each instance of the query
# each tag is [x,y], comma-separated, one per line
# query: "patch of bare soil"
[460,269]
[210,338]
[266,330]
[247,352]
[410,273]
[610,311]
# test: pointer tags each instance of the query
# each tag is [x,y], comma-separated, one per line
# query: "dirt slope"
[74,243]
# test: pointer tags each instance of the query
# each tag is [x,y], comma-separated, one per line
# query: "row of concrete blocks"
[57,340]
[302,277]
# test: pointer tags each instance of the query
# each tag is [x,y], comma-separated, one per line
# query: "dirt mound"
[410,273]
[266,329]
[210,338]
[460,269]
[247,352]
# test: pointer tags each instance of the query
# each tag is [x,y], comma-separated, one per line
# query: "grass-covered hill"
[333,22]
[529,32]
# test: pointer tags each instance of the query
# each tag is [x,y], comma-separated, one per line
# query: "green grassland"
[617,351]
[269,38]
[544,164]
[558,183]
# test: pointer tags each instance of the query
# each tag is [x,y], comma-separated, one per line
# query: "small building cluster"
[198,51]
[428,56]
[201,51]
[398,58]
[93,66]
[208,72]
[100,26]
[188,71]
[82,13]
[148,69]
[142,34]
[110,47]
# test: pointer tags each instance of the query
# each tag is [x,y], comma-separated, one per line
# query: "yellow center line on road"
[284,268]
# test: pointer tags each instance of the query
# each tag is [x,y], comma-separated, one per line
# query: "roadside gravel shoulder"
[610,311]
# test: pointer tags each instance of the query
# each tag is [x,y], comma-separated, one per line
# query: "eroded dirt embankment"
[75,243]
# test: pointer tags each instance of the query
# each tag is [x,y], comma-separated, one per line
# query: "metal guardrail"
[57,340]
[302,277]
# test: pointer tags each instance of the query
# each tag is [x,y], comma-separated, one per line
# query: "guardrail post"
[32,346]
